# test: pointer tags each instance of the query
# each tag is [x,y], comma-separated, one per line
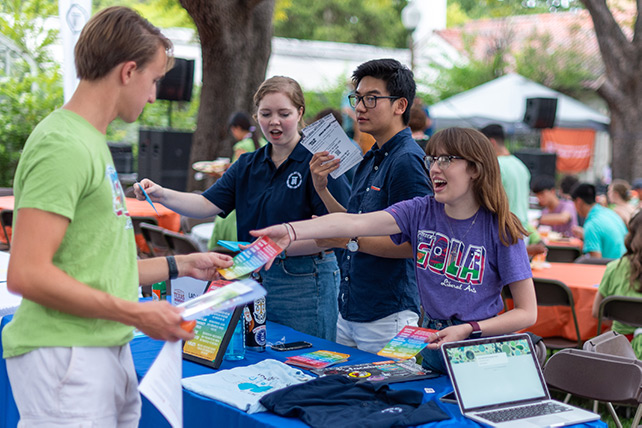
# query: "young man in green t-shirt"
[73,255]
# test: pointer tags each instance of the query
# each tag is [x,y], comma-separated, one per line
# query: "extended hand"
[161,321]
[202,265]
[155,191]
[449,334]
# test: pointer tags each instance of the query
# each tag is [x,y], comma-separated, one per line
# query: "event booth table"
[199,411]
[583,280]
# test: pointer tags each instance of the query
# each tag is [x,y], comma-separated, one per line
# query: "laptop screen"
[494,371]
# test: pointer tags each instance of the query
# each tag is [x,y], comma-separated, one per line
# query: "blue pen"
[147,197]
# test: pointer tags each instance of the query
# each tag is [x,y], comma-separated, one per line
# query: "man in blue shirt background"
[378,295]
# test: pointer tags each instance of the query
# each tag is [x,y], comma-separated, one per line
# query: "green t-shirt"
[516,180]
[66,168]
[616,282]
[247,145]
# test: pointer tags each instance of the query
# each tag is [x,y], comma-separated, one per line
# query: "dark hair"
[326,111]
[542,182]
[633,244]
[567,183]
[494,131]
[399,79]
[473,146]
[418,117]
[115,35]
[585,192]
[244,121]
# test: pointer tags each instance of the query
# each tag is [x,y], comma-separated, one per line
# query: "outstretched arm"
[185,203]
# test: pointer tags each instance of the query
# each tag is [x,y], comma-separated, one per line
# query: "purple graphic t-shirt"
[565,229]
[461,267]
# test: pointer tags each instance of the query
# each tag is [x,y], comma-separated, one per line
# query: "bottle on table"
[236,348]
[159,291]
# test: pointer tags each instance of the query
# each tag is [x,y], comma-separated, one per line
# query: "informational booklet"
[252,258]
[407,343]
[327,135]
[317,359]
[380,371]
[231,295]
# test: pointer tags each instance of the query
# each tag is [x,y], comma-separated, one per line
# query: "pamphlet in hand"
[317,359]
[407,343]
[252,258]
[233,294]
[327,135]
[380,371]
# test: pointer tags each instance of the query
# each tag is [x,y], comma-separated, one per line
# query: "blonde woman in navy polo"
[273,185]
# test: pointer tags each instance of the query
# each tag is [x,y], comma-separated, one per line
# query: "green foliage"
[476,9]
[374,22]
[330,98]
[162,13]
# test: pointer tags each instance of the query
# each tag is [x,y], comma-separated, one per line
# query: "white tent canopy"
[503,101]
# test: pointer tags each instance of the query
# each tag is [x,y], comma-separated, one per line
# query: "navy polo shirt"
[264,195]
[374,287]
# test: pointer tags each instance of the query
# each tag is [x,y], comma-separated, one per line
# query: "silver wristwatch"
[353,245]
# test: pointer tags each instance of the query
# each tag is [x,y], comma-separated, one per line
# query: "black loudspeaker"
[123,157]
[540,112]
[177,84]
[163,157]
[538,162]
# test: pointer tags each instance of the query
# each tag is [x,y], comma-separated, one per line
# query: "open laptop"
[498,382]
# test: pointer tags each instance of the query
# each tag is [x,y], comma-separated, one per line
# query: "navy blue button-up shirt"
[264,195]
[375,287]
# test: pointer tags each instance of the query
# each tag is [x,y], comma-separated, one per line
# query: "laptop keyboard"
[515,413]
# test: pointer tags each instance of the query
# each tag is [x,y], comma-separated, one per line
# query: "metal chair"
[136,221]
[562,254]
[180,244]
[595,376]
[627,310]
[6,221]
[593,260]
[155,239]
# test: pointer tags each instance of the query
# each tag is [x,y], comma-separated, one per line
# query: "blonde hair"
[489,192]
[284,85]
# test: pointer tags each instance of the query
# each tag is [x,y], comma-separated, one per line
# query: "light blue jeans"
[302,293]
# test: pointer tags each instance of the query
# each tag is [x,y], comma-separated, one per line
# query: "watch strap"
[173,267]
[477,331]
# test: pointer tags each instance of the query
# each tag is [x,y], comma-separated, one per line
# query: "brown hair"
[285,85]
[418,117]
[633,244]
[622,188]
[113,36]
[478,151]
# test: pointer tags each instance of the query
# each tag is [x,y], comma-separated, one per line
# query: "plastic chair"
[627,310]
[155,239]
[180,244]
[6,220]
[595,376]
[593,260]
[562,254]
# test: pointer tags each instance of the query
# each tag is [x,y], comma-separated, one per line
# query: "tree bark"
[235,38]
[621,87]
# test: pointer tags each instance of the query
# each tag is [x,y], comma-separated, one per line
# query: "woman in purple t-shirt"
[466,243]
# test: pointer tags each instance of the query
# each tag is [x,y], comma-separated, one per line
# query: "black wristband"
[173,268]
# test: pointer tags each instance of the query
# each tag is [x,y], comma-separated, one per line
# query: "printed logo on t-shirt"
[461,265]
[118,196]
[294,180]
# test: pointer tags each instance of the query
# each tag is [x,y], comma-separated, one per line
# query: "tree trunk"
[621,88]
[235,40]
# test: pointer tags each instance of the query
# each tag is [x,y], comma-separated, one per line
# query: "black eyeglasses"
[443,161]
[369,101]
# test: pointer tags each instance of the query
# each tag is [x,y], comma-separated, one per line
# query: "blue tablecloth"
[199,411]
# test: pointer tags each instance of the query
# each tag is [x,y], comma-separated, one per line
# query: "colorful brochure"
[252,258]
[317,359]
[380,371]
[231,295]
[327,135]
[407,343]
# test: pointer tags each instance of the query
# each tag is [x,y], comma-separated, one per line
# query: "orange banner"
[574,147]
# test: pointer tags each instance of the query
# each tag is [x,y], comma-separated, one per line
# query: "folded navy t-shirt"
[338,401]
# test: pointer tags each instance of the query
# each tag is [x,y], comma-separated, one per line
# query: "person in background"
[619,195]
[567,183]
[273,185]
[623,277]
[636,190]
[418,123]
[466,243]
[247,140]
[516,177]
[378,294]
[558,213]
[73,256]
[603,232]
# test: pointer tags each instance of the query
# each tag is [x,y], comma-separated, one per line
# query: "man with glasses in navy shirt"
[378,294]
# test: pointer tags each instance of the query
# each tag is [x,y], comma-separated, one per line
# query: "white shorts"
[80,387]
[373,336]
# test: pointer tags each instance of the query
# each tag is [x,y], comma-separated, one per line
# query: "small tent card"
[215,324]
[252,258]
[407,343]
[317,359]
[327,135]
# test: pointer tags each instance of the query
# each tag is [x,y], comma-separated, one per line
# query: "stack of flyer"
[317,359]
[407,343]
